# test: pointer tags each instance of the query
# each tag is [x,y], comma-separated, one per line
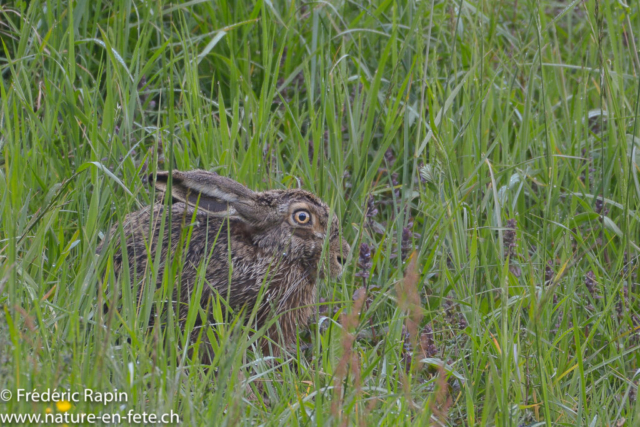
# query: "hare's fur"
[269,251]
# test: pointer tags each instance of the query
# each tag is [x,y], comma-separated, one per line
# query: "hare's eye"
[302,217]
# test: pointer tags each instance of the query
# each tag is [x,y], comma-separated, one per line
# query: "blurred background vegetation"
[482,156]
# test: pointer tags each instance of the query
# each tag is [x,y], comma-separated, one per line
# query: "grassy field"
[480,154]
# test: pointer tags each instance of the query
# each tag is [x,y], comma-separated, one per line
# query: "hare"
[272,240]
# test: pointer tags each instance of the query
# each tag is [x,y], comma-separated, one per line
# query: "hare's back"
[151,226]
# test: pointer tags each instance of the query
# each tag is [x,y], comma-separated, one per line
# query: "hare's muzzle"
[338,258]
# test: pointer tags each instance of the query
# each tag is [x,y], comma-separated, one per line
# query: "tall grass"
[482,157]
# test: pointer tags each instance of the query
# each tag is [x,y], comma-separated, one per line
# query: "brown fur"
[268,248]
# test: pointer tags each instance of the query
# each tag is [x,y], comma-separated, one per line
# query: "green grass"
[487,111]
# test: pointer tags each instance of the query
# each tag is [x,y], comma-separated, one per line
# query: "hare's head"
[286,224]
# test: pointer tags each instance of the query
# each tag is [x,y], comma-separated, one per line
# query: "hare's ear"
[215,194]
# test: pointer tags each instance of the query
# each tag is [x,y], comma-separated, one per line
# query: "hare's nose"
[341,260]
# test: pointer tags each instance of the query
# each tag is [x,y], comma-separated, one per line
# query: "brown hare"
[273,240]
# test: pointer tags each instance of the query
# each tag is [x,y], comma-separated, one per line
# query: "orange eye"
[302,217]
